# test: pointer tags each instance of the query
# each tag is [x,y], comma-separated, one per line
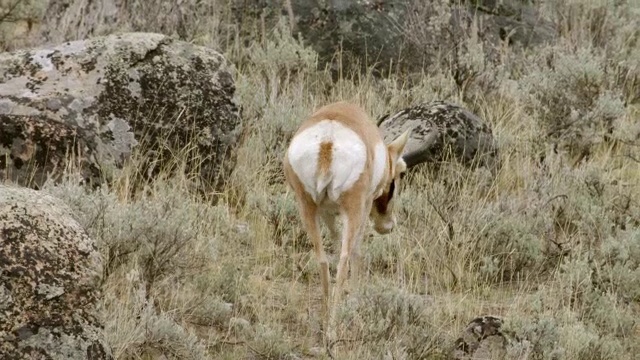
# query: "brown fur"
[324,157]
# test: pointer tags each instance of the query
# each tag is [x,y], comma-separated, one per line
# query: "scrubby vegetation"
[551,244]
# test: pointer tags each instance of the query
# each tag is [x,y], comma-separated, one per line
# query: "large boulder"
[49,281]
[365,33]
[400,34]
[93,101]
[378,35]
[441,128]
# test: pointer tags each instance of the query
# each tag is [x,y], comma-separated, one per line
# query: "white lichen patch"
[49,291]
[5,298]
[43,59]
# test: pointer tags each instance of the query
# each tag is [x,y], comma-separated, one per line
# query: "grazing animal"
[338,165]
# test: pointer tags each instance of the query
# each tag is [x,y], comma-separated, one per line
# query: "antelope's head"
[382,210]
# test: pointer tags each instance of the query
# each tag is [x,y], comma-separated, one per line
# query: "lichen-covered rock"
[481,339]
[49,281]
[400,34]
[377,34]
[98,99]
[440,128]
[27,140]
[360,30]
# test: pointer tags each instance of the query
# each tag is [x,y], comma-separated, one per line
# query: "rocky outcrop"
[441,128]
[49,281]
[405,34]
[94,101]
[376,34]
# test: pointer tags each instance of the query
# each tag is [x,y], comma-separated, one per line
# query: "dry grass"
[550,243]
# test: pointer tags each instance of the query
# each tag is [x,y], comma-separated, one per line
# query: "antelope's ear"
[396,148]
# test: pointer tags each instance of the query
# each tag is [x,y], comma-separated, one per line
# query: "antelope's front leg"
[353,219]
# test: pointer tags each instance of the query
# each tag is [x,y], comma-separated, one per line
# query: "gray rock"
[379,34]
[519,21]
[483,338]
[359,29]
[440,128]
[98,99]
[49,281]
[392,33]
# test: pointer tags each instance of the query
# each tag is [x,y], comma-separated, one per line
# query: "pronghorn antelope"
[338,164]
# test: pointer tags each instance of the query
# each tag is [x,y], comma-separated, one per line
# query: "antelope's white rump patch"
[349,156]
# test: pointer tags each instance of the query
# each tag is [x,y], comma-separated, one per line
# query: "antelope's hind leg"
[311,220]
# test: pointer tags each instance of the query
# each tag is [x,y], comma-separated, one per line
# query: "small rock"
[484,339]
[481,335]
